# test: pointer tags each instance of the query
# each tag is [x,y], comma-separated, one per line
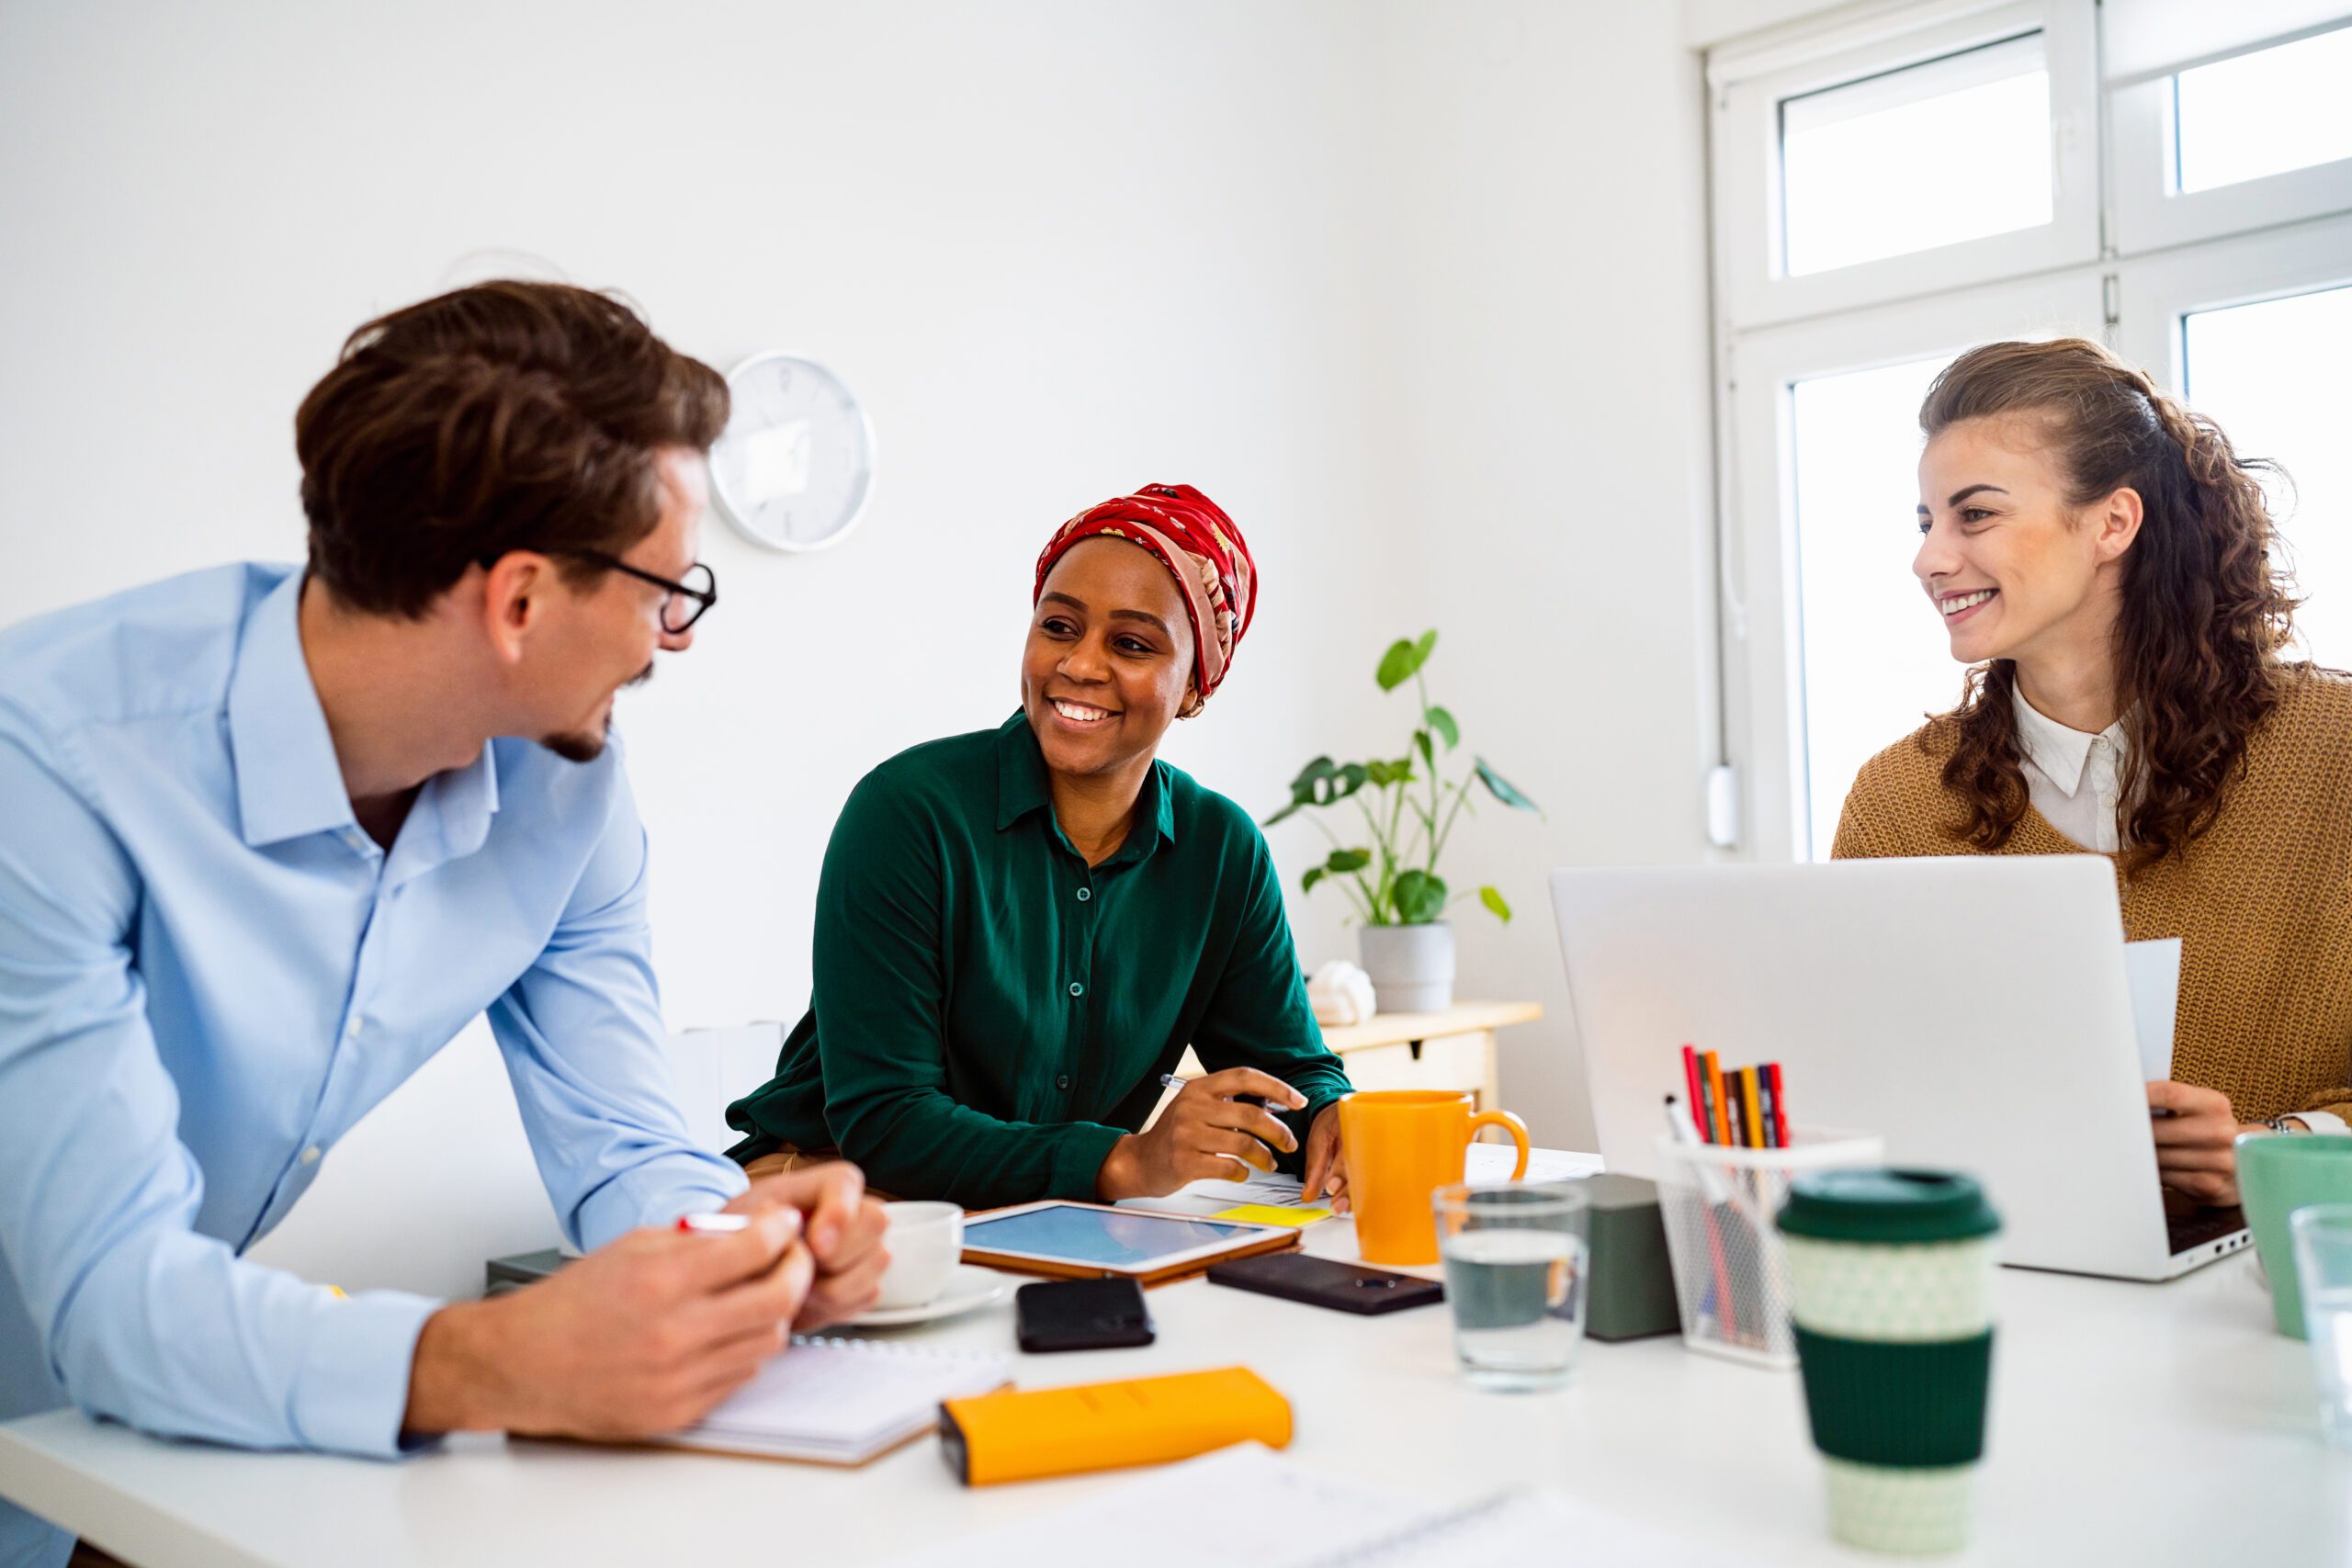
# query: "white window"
[1892,192]
[2265,113]
[1972,126]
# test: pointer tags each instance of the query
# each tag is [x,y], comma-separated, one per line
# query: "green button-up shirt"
[990,1014]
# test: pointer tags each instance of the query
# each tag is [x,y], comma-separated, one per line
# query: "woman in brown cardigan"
[2105,563]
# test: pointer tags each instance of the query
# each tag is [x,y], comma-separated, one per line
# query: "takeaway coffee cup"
[925,1241]
[1892,1273]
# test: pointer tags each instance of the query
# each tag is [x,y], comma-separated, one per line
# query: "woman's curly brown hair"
[2207,600]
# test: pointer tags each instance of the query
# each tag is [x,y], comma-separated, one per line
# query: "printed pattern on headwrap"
[1203,552]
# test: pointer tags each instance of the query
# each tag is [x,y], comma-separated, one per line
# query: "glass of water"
[2323,1239]
[1515,1272]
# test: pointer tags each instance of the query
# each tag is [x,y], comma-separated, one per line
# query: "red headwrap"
[1202,549]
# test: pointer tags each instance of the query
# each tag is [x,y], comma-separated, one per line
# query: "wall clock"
[796,465]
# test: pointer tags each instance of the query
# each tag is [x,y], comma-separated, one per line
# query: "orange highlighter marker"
[1025,1435]
[1716,1093]
[1751,1106]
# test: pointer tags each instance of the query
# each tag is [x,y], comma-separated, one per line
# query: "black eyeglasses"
[686,604]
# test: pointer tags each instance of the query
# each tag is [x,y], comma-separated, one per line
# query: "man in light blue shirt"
[270,837]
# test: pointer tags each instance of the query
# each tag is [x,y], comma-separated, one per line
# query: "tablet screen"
[1091,1236]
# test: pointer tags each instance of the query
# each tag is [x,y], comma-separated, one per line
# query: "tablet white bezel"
[1244,1236]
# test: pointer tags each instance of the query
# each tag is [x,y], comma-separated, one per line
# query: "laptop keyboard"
[2186,1231]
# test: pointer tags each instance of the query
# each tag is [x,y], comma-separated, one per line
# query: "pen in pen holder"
[1731,1272]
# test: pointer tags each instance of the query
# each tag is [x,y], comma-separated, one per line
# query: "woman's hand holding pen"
[1206,1132]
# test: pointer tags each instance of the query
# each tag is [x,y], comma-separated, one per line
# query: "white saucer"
[966,1288]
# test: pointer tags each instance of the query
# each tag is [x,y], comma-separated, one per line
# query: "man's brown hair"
[505,416]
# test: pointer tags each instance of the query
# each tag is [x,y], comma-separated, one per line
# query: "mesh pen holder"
[1731,1272]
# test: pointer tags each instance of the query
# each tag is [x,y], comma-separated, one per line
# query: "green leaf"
[1422,649]
[1314,874]
[1419,897]
[1429,752]
[1345,860]
[1382,774]
[1442,722]
[1503,790]
[1493,899]
[1320,783]
[1396,665]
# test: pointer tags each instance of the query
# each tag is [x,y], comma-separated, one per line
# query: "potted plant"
[1408,811]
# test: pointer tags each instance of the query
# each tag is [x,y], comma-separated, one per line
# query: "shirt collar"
[288,782]
[2062,754]
[1022,788]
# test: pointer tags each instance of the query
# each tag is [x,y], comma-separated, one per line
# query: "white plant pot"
[1411,966]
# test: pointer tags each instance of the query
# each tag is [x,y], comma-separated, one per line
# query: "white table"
[2137,1424]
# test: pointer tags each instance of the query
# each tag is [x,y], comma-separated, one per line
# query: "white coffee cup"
[926,1241]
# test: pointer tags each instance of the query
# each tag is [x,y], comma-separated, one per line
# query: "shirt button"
[1062,1082]
[1084,894]
[351,1029]
[311,1154]
[1076,990]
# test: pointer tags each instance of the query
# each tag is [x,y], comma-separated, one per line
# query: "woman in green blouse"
[1020,929]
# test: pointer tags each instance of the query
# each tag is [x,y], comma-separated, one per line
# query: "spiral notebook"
[842,1400]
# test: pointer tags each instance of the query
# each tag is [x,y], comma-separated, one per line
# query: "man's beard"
[578,746]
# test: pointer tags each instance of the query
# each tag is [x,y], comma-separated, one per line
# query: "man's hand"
[1327,1162]
[640,1337]
[2194,1144]
[1204,1132]
[843,1229]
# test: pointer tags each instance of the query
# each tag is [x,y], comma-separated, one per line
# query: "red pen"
[1691,1077]
[713,1224]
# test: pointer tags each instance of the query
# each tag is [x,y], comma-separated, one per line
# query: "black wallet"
[1319,1282]
[1081,1315]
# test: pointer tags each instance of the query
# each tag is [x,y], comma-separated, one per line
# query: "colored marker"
[713,1224]
[1691,1081]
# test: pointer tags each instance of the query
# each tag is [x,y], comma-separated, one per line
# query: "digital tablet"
[1078,1240]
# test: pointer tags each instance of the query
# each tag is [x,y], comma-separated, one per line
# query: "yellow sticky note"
[1267,1214]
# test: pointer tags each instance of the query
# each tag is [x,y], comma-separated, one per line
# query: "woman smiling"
[1020,929]
[2106,561]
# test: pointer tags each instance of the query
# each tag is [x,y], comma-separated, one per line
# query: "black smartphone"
[1320,1281]
[1081,1315]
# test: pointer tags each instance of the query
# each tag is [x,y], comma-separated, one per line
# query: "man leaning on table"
[273,835]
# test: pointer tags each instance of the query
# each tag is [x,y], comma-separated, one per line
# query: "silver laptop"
[1971,1009]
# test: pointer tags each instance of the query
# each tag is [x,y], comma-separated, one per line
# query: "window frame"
[2156,295]
[2148,214]
[1749,87]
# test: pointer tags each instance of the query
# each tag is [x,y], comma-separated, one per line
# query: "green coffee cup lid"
[1884,1204]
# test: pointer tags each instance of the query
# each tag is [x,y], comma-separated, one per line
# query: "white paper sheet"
[1300,1518]
[2152,974]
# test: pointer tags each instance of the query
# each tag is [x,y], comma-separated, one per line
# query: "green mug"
[2277,1174]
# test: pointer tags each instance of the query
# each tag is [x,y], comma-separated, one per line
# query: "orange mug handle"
[1509,1123]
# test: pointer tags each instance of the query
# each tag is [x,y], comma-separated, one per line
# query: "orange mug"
[1401,1146]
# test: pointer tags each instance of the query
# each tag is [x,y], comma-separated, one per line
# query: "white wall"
[1552,446]
[1413,289]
